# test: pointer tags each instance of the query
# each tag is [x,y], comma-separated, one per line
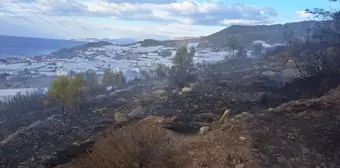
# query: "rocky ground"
[250,86]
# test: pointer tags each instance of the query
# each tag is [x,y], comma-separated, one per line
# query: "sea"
[13,46]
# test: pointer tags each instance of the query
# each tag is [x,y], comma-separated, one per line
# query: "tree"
[241,52]
[258,48]
[288,36]
[318,57]
[233,43]
[112,78]
[91,80]
[179,74]
[184,59]
[161,70]
[67,90]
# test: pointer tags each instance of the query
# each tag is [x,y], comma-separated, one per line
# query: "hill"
[271,34]
[114,41]
[69,52]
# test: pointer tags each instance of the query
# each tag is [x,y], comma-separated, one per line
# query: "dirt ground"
[302,133]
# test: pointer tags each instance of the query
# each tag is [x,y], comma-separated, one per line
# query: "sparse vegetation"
[113,78]
[258,49]
[92,82]
[241,52]
[162,70]
[21,109]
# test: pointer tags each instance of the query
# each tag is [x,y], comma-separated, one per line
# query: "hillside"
[296,134]
[69,52]
[269,33]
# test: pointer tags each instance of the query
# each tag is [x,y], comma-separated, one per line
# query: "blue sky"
[140,19]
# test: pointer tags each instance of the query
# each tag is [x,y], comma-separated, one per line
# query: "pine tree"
[184,59]
[67,91]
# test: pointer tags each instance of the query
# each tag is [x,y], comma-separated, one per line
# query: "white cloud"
[187,11]
[170,18]
[304,14]
[239,22]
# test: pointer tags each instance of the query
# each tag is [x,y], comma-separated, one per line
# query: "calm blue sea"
[11,46]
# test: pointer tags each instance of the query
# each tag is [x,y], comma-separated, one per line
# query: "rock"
[113,94]
[290,63]
[186,89]
[289,73]
[159,92]
[245,77]
[44,159]
[40,166]
[302,113]
[242,138]
[268,73]
[244,115]
[191,153]
[198,124]
[137,112]
[271,110]
[241,165]
[206,116]
[122,100]
[305,151]
[109,88]
[101,96]
[281,159]
[204,130]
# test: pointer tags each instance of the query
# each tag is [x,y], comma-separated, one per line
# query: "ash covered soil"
[249,85]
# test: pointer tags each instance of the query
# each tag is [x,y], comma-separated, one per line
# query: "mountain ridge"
[271,34]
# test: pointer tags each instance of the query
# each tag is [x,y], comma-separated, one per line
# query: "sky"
[145,19]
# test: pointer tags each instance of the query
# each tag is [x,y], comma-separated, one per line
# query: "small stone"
[191,153]
[204,130]
[281,159]
[242,138]
[186,89]
[270,110]
[302,113]
[123,100]
[240,165]
[268,73]
[40,166]
[305,151]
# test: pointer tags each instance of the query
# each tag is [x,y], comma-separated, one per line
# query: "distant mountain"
[113,41]
[120,41]
[186,38]
[271,34]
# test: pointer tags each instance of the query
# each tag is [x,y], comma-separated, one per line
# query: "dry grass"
[134,146]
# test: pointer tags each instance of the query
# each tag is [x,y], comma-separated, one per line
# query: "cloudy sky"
[140,19]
